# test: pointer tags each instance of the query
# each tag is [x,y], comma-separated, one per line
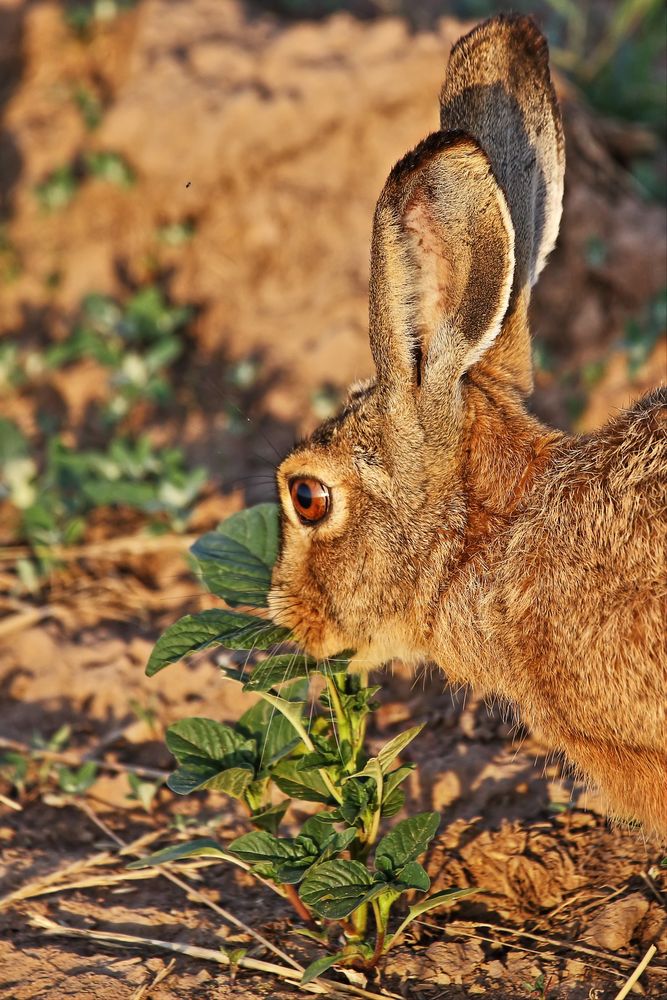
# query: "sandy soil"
[273,142]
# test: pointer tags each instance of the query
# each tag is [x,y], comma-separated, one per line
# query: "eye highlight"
[311,499]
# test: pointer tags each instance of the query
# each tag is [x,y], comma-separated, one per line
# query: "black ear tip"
[521,31]
[426,150]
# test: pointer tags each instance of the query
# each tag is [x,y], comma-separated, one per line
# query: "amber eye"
[311,499]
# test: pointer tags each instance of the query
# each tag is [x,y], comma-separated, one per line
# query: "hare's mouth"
[311,631]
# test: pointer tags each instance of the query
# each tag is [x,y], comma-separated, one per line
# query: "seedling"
[342,877]
[111,167]
[58,189]
[90,107]
[82,15]
[175,234]
[29,770]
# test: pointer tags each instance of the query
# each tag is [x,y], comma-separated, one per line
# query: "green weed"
[643,332]
[175,234]
[58,189]
[108,166]
[90,107]
[338,871]
[81,16]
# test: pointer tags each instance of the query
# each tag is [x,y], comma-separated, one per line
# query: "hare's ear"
[498,90]
[442,264]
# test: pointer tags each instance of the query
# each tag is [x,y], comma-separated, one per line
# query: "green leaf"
[392,804]
[262,846]
[196,738]
[78,781]
[319,966]
[444,898]
[319,828]
[317,761]
[269,819]
[356,799]
[391,750]
[197,777]
[406,841]
[414,876]
[204,847]
[212,628]
[272,732]
[336,888]
[211,756]
[395,778]
[305,785]
[236,560]
[279,669]
[293,712]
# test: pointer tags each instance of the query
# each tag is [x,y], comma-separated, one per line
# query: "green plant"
[337,870]
[57,190]
[137,341]
[175,234]
[82,15]
[111,167]
[643,332]
[55,501]
[34,770]
[89,105]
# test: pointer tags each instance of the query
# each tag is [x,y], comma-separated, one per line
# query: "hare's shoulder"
[616,474]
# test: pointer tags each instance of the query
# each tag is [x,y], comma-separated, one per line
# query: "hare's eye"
[311,499]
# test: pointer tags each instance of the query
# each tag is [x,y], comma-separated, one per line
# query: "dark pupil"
[304,495]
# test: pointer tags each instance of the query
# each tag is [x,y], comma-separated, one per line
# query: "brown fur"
[462,531]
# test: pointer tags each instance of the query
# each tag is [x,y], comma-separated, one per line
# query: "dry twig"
[625,989]
[155,981]
[319,986]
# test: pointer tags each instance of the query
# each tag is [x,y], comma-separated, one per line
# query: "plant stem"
[330,786]
[339,711]
[360,920]
[371,836]
[380,933]
[299,906]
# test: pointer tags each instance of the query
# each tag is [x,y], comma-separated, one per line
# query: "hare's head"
[375,504]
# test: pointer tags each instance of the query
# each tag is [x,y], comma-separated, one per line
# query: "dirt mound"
[273,142]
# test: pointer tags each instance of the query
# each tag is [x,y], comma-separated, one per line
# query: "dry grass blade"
[74,761]
[550,956]
[45,883]
[94,882]
[166,872]
[10,803]
[598,901]
[625,989]
[53,882]
[321,987]
[195,894]
[23,619]
[607,956]
[109,549]
[155,981]
[653,888]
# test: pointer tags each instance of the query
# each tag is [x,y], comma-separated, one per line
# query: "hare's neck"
[507,451]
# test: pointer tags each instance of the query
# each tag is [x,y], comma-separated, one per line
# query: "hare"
[434,518]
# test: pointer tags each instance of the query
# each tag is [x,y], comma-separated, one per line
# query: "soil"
[272,139]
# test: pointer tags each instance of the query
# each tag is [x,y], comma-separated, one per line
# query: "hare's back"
[585,579]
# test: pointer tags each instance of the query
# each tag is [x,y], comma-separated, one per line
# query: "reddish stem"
[296,902]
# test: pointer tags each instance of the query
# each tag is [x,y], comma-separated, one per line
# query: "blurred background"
[186,201]
[186,194]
